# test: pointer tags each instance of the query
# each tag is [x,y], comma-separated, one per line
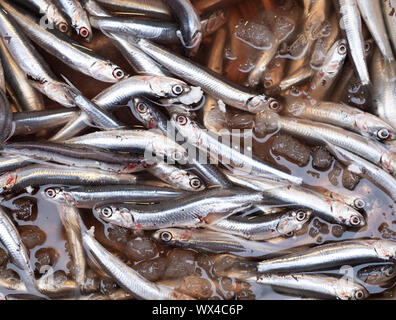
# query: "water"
[252,31]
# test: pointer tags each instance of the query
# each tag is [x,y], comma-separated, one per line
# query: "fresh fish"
[332,255]
[38,72]
[150,8]
[137,141]
[352,25]
[388,10]
[377,274]
[320,132]
[37,175]
[300,76]
[375,174]
[23,94]
[78,17]
[372,14]
[87,196]
[197,210]
[70,218]
[313,286]
[266,227]
[10,163]
[125,276]
[273,75]
[328,73]
[19,255]
[221,89]
[70,52]
[6,122]
[343,116]
[322,206]
[350,198]
[190,33]
[195,135]
[49,11]
[384,88]
[176,177]
[34,121]
[214,242]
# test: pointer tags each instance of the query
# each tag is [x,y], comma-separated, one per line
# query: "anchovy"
[125,276]
[208,80]
[78,17]
[38,72]
[300,76]
[321,132]
[197,210]
[88,196]
[266,227]
[328,73]
[6,122]
[358,165]
[332,255]
[313,286]
[384,88]
[372,14]
[350,16]
[70,218]
[214,242]
[48,11]
[377,274]
[37,175]
[327,208]
[388,11]
[10,163]
[31,122]
[70,52]
[343,116]
[350,198]
[202,140]
[190,33]
[19,255]
[23,94]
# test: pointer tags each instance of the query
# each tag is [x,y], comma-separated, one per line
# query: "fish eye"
[84,32]
[177,89]
[50,193]
[389,271]
[359,294]
[177,156]
[141,107]
[342,49]
[166,236]
[359,203]
[289,234]
[355,220]
[274,105]
[301,215]
[106,212]
[383,134]
[268,84]
[63,27]
[182,120]
[195,183]
[367,46]
[118,73]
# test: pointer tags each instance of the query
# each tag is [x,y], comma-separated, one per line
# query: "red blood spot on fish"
[139,226]
[10,180]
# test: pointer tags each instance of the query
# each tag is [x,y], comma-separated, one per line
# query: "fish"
[371,13]
[70,52]
[352,27]
[266,227]
[332,255]
[6,119]
[197,210]
[343,116]
[87,196]
[377,274]
[212,83]
[78,17]
[324,207]
[190,129]
[300,76]
[190,33]
[125,276]
[389,18]
[37,175]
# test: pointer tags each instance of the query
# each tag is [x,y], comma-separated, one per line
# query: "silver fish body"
[388,8]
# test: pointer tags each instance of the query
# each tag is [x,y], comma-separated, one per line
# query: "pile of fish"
[193,167]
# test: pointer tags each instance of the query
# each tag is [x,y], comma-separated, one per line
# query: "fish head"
[385,249]
[106,71]
[84,30]
[374,127]
[114,214]
[187,127]
[171,236]
[262,103]
[166,87]
[144,112]
[346,289]
[163,147]
[388,161]
[346,215]
[56,91]
[293,221]
[59,195]
[7,181]
[187,180]
[214,21]
[53,14]
[377,274]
